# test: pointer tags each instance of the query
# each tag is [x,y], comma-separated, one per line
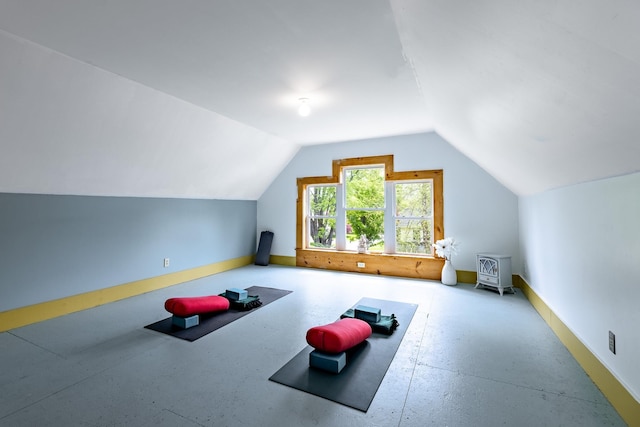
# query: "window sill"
[402,265]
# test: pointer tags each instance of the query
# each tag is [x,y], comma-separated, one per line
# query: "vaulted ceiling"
[540,93]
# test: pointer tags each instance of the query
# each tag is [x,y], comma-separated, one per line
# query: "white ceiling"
[540,93]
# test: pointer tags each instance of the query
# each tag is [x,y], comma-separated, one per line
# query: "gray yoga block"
[333,363]
[236,294]
[368,314]
[185,322]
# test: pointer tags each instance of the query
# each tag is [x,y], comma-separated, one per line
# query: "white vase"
[449,276]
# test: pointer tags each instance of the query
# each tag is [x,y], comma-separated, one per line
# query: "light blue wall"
[478,211]
[57,246]
[581,250]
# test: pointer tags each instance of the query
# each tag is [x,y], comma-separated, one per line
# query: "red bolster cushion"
[338,336]
[188,306]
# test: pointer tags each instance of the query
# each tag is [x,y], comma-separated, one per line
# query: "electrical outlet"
[360,265]
[166,262]
[612,342]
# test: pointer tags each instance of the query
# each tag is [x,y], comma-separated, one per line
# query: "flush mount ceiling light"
[304,108]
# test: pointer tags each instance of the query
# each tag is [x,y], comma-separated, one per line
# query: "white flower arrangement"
[446,247]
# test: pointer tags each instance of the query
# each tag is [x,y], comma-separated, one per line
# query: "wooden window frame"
[404,265]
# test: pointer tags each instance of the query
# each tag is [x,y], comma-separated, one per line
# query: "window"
[365,198]
[321,218]
[413,217]
[401,213]
[364,206]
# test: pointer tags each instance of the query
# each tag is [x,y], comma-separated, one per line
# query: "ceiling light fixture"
[304,108]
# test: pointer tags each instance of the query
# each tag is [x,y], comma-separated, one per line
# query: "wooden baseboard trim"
[283,260]
[466,276]
[621,399]
[23,316]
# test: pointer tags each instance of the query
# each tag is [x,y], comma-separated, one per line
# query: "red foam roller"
[338,336]
[189,306]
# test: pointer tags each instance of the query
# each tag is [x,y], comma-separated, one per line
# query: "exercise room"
[376,213]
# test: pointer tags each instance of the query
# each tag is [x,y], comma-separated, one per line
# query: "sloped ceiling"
[539,93]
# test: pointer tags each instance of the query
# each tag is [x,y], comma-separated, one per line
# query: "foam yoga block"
[328,361]
[236,294]
[188,306]
[338,336]
[185,322]
[368,314]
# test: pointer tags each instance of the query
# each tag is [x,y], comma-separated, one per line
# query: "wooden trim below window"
[419,267]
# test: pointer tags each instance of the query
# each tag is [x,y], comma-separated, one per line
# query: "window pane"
[322,233]
[414,236]
[322,216]
[322,200]
[414,199]
[366,223]
[364,188]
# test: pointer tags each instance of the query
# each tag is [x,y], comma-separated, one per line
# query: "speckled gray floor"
[469,358]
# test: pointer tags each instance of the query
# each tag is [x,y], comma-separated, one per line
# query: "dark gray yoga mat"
[209,324]
[264,248]
[367,364]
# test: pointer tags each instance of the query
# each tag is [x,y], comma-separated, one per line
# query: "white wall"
[581,251]
[478,211]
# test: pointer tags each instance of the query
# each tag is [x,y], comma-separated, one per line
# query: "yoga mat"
[209,324]
[367,363]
